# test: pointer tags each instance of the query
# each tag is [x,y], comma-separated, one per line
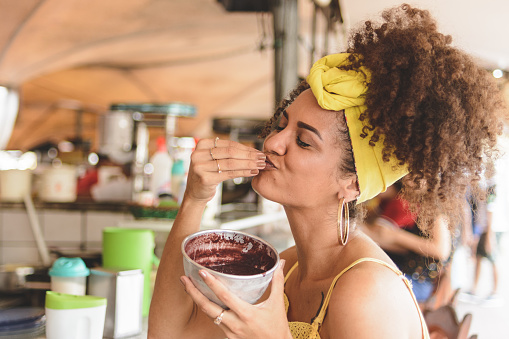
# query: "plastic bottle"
[160,181]
[178,179]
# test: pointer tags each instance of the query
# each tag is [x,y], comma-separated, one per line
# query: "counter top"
[165,225]
[77,205]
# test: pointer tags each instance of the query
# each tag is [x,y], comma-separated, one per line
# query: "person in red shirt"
[419,257]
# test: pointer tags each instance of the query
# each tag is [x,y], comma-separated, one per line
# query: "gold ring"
[215,141]
[212,154]
[218,168]
[219,318]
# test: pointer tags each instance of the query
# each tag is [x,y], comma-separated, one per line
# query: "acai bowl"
[243,262]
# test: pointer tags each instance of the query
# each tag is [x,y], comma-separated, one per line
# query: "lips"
[269,164]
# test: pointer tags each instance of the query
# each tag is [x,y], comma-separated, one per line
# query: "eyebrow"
[301,124]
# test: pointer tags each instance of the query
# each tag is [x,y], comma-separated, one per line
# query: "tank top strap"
[291,271]
[321,315]
[319,319]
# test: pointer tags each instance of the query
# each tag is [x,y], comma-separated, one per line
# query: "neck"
[316,240]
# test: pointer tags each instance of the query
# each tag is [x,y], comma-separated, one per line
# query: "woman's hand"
[243,320]
[214,161]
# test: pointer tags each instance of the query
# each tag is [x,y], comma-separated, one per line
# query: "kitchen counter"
[84,205]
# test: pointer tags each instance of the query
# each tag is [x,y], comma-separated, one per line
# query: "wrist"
[396,237]
[191,202]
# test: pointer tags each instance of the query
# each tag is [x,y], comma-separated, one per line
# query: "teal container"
[127,248]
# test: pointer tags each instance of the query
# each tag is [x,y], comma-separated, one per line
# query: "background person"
[497,206]
[419,257]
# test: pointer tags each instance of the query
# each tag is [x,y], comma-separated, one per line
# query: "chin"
[255,184]
[264,188]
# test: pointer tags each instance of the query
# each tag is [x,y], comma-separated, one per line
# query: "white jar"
[15,184]
[74,317]
[59,184]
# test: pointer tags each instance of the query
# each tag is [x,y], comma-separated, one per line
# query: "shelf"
[165,225]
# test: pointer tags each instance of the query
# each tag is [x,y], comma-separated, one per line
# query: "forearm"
[172,312]
[388,245]
[414,243]
[438,246]
[171,307]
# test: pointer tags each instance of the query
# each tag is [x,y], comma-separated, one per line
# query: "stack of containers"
[70,314]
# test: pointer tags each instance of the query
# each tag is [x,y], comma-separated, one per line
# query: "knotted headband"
[336,89]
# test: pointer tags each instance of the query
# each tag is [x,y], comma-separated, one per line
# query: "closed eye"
[302,143]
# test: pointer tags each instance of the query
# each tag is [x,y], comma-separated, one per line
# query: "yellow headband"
[337,90]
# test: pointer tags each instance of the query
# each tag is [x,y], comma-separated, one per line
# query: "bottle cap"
[161,144]
[69,267]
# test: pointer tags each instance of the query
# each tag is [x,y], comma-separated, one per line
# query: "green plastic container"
[61,301]
[128,248]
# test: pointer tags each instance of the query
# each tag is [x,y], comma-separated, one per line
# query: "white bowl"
[244,263]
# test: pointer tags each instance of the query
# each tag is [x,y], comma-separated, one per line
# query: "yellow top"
[302,330]
[336,89]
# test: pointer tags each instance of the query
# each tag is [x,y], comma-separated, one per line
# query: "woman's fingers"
[278,284]
[233,302]
[221,317]
[233,153]
[233,165]
[211,143]
[220,153]
[211,309]
[214,161]
[228,156]
[242,320]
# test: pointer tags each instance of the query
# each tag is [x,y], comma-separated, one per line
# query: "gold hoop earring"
[343,225]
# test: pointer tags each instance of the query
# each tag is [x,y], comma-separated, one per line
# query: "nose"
[276,142]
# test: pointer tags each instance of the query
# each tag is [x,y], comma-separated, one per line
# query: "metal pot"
[23,285]
[13,276]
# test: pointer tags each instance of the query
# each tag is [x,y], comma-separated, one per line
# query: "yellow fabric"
[337,90]
[302,330]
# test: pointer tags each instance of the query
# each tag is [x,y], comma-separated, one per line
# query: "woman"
[401,102]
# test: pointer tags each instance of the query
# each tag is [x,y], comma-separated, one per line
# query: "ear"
[350,189]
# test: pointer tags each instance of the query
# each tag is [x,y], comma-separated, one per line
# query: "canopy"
[71,59]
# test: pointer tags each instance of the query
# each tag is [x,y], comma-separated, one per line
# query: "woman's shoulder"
[371,293]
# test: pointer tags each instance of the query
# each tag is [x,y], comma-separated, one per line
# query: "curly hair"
[431,106]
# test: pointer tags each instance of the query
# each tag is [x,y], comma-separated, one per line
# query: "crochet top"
[302,330]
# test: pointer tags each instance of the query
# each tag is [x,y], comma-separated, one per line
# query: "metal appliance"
[124,135]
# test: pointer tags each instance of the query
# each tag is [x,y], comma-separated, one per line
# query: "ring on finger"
[212,154]
[215,142]
[218,168]
[219,318]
